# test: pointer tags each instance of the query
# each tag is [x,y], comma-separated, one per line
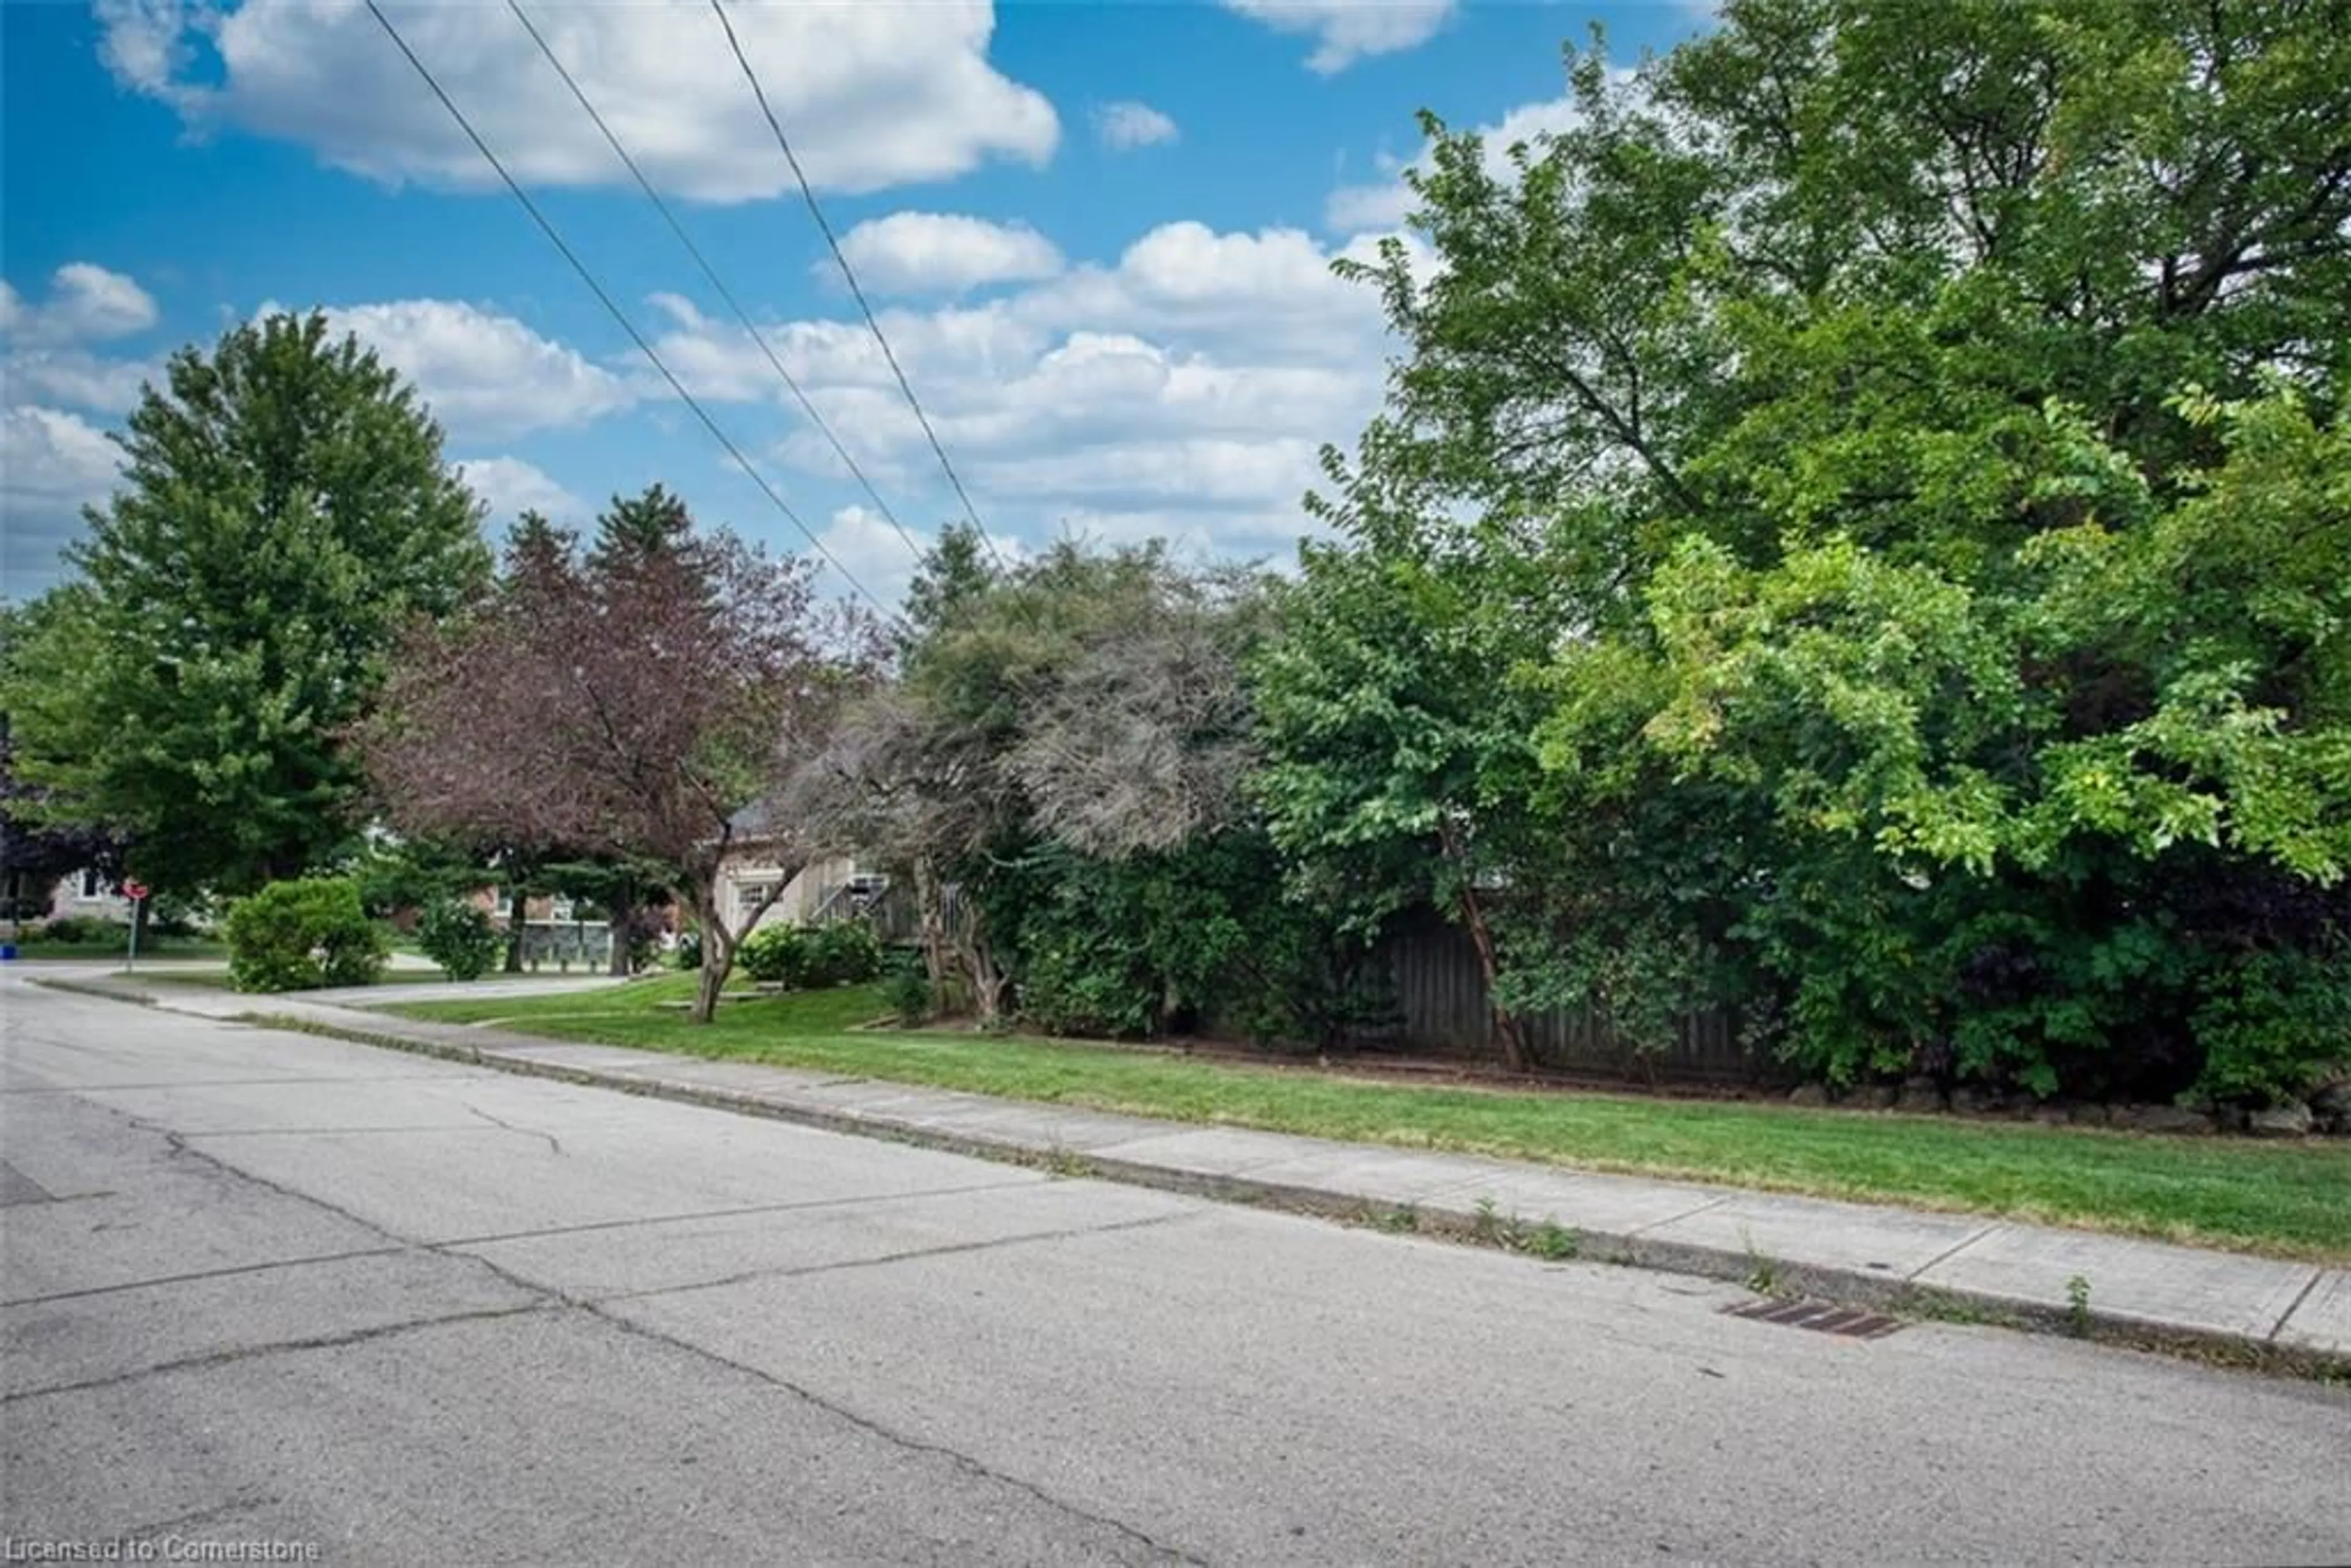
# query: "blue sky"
[1098,236]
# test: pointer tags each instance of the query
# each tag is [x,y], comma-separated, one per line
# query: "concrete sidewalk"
[2296,1315]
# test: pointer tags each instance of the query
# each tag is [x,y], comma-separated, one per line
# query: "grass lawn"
[2284,1199]
[115,947]
[218,979]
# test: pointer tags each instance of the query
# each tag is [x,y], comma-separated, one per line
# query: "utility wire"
[808,194]
[717,283]
[555,239]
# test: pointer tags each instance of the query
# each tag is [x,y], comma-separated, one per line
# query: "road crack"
[276,1347]
[547,1299]
[945,1250]
[866,1424]
[192,1277]
[554,1145]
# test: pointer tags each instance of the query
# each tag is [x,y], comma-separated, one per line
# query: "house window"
[558,909]
[750,895]
[92,886]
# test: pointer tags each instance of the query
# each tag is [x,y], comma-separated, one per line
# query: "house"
[823,889]
[88,894]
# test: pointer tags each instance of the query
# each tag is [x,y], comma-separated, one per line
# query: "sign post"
[136,892]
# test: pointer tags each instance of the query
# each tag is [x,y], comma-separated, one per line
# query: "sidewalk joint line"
[1676,1219]
[1947,1254]
[2300,1296]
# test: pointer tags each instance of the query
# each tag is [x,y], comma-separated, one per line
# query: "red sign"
[134,891]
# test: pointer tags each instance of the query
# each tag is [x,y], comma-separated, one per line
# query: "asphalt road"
[267,1289]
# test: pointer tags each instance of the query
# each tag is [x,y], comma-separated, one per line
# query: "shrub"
[808,957]
[844,953]
[906,988]
[459,938]
[775,955]
[1074,991]
[76,930]
[2271,1026]
[169,914]
[688,951]
[293,936]
[640,931]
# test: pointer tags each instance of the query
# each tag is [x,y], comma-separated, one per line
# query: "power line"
[555,239]
[717,283]
[808,195]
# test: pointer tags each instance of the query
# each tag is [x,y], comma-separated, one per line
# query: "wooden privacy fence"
[1440,992]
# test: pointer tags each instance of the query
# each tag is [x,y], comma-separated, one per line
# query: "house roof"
[756,820]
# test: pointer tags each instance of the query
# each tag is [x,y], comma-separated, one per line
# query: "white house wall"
[801,895]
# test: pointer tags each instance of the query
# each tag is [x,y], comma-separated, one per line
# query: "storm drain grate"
[1820,1317]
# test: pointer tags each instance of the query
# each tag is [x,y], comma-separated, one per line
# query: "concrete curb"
[1453,1214]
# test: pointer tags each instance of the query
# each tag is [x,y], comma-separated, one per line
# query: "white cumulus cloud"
[510,487]
[1345,31]
[940,253]
[1384,203]
[486,375]
[52,464]
[1183,390]
[87,303]
[1128,124]
[76,378]
[873,94]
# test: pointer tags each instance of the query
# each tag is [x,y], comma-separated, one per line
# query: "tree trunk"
[978,963]
[712,981]
[622,916]
[1506,1028]
[717,963]
[931,919]
[517,901]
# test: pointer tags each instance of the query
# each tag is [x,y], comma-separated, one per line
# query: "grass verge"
[116,947]
[2284,1199]
[217,979]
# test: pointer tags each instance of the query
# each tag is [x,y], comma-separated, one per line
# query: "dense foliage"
[622,699]
[302,935]
[457,935]
[1859,537]
[284,509]
[811,958]
[1060,772]
[1861,532]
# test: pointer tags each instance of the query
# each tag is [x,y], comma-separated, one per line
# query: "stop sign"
[134,891]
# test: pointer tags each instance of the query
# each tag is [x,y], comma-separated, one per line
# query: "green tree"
[1926,423]
[284,509]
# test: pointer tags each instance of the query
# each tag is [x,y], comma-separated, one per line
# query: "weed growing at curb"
[1763,1273]
[1553,1242]
[2077,1306]
[1402,1220]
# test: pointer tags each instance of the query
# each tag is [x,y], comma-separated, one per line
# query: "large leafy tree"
[284,509]
[1927,421]
[37,845]
[623,699]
